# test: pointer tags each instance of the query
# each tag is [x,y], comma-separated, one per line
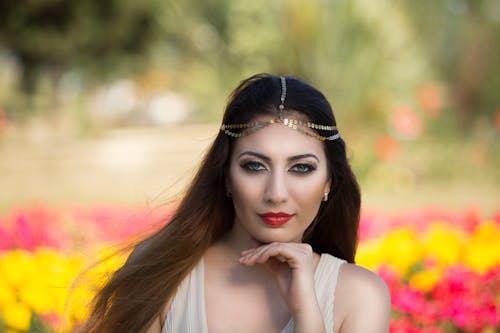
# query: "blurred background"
[108,105]
[116,100]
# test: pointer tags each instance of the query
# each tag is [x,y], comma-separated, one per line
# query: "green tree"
[331,43]
[461,38]
[101,36]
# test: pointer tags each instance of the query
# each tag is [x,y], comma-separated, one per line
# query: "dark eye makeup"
[298,168]
[302,168]
[252,166]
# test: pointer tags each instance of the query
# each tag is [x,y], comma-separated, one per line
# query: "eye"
[253,166]
[302,168]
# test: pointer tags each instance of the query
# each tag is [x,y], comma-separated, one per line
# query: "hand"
[292,267]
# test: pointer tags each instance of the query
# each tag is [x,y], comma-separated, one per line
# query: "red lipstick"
[275,219]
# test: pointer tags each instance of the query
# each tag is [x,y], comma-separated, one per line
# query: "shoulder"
[362,299]
[362,281]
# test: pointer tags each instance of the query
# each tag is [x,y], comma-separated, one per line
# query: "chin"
[266,239]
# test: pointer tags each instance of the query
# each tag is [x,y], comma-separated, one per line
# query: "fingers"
[292,267]
[292,253]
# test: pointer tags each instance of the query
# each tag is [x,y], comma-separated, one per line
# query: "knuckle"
[307,247]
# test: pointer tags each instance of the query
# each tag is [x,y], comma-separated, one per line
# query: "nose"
[276,191]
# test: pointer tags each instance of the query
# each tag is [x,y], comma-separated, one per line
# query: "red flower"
[386,148]
[429,99]
[467,299]
[407,123]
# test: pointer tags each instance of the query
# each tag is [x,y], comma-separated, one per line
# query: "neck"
[237,240]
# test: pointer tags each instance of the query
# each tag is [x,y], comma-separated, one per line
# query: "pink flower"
[467,299]
[5,238]
[23,235]
[390,277]
[120,223]
[408,300]
[406,123]
[36,226]
[431,330]
[403,325]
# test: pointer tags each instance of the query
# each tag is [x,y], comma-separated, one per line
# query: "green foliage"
[461,38]
[56,35]
[369,57]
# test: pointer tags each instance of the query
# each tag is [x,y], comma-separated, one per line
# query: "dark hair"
[137,292]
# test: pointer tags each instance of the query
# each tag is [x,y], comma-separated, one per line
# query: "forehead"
[277,140]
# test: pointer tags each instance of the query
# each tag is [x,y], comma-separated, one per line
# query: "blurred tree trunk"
[462,41]
[471,71]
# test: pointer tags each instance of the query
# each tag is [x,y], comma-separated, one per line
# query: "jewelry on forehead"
[283,95]
[298,125]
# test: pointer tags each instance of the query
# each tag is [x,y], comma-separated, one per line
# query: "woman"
[265,238]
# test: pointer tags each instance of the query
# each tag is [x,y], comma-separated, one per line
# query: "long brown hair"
[137,292]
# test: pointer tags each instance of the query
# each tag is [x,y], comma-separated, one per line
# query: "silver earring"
[325,196]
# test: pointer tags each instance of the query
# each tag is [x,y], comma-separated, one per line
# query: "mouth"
[275,219]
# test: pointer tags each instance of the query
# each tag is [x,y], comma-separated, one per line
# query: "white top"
[187,310]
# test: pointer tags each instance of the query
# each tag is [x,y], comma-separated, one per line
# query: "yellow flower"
[108,261]
[78,305]
[444,243]
[37,296]
[42,282]
[425,280]
[483,250]
[369,254]
[10,330]
[16,267]
[17,316]
[7,294]
[401,249]
[89,280]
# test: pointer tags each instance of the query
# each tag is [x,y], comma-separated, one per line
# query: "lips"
[275,219]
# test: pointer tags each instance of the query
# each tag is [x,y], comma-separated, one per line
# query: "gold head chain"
[295,124]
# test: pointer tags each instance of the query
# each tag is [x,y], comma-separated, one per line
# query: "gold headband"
[295,124]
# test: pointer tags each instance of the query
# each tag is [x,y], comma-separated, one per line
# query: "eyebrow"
[266,158]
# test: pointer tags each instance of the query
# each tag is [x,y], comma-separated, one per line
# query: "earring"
[325,196]
[228,193]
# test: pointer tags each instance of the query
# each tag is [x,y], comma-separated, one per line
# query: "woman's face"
[277,180]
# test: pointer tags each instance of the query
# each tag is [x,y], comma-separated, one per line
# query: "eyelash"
[309,168]
[253,166]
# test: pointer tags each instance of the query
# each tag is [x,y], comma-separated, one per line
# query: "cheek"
[309,194]
[244,189]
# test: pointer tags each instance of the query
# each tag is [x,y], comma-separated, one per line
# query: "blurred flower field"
[442,267]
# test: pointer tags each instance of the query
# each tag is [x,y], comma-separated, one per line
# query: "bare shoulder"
[362,282]
[362,301]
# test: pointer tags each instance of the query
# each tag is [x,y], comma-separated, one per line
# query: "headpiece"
[295,124]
